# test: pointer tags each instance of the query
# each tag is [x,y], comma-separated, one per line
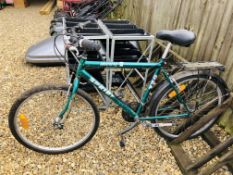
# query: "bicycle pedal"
[58,125]
[122,143]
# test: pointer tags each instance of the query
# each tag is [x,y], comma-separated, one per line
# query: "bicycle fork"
[59,120]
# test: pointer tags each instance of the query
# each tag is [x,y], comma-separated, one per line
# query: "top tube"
[102,64]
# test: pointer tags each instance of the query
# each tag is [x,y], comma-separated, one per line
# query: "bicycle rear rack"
[203,66]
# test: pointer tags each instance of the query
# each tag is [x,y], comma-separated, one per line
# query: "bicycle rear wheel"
[32,116]
[200,91]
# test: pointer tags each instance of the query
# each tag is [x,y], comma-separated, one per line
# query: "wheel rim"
[76,127]
[206,86]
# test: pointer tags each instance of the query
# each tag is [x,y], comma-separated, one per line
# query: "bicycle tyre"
[164,89]
[35,97]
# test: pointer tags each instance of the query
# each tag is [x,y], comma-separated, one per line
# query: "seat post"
[166,50]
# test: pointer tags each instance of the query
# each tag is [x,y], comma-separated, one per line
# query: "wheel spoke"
[41,107]
[200,95]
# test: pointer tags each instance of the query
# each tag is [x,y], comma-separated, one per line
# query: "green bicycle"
[57,119]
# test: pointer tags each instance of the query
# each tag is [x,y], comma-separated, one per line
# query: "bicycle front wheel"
[31,120]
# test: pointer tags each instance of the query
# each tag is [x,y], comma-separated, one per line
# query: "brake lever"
[73,48]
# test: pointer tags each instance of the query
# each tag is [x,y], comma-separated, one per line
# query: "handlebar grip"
[89,45]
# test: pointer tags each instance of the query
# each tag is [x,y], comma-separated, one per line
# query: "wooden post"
[204,120]
[182,159]
[47,8]
[196,116]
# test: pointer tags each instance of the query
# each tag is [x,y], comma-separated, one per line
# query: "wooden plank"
[184,11]
[216,24]
[138,11]
[182,22]
[202,30]
[210,139]
[194,23]
[225,159]
[228,65]
[224,51]
[147,6]
[213,141]
[181,158]
[20,3]
[162,18]
[204,120]
[195,117]
[211,154]
[222,35]
[42,10]
[226,121]
[47,8]
[230,79]
[173,14]
[150,14]
[229,62]
[157,15]
[133,11]
[209,25]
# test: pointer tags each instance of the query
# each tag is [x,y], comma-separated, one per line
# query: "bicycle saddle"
[180,37]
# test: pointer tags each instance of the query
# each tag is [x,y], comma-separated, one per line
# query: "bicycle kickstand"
[127,129]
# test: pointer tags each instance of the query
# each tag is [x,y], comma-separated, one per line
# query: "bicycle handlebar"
[89,45]
[78,41]
[85,44]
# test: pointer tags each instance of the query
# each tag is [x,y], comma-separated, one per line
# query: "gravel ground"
[145,151]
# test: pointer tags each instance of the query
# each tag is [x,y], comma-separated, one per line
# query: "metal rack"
[111,36]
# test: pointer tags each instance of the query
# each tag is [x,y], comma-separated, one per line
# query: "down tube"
[103,89]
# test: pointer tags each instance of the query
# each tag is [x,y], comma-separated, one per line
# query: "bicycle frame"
[158,66]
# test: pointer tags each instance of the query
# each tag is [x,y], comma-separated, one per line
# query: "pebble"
[145,152]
